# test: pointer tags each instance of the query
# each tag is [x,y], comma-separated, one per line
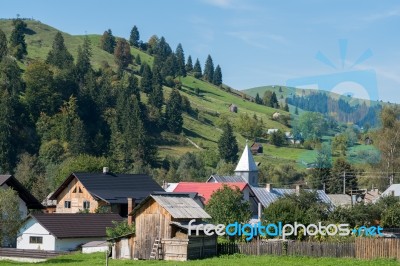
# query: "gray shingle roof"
[225,179]
[114,188]
[179,205]
[76,225]
[266,198]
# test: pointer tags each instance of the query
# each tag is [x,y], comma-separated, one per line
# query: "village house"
[161,230]
[108,191]
[63,231]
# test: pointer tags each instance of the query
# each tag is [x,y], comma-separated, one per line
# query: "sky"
[349,47]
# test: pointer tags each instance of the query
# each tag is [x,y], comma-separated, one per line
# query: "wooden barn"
[161,230]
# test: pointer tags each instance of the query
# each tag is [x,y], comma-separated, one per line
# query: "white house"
[62,231]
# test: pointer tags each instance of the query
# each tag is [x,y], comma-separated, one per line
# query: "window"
[67,204]
[74,191]
[36,240]
[86,204]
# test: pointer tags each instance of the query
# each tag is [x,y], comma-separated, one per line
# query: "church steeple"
[247,168]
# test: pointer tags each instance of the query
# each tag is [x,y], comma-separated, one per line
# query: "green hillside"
[212,102]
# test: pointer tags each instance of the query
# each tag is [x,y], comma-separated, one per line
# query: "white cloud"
[383,15]
[230,4]
[257,39]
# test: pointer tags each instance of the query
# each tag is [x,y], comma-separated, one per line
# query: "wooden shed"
[161,230]
[256,148]
[233,108]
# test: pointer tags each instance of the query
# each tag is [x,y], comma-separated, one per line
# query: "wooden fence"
[373,248]
[29,253]
[313,249]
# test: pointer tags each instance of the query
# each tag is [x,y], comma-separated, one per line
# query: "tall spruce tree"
[156,96]
[189,65]
[208,74]
[146,83]
[17,39]
[59,56]
[3,44]
[258,99]
[8,143]
[180,59]
[173,112]
[197,73]
[122,54]
[134,37]
[107,42]
[217,79]
[227,145]
[10,76]
[83,65]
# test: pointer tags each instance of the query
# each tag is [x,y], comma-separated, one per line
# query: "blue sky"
[255,42]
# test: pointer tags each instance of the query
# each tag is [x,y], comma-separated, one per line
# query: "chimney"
[105,170]
[297,190]
[269,187]
[130,209]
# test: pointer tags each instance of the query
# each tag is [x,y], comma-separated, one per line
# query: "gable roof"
[205,190]
[179,205]
[246,162]
[266,198]
[30,201]
[394,188]
[114,188]
[76,225]
[224,179]
[340,199]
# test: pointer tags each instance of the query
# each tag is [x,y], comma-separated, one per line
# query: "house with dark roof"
[27,200]
[107,191]
[63,231]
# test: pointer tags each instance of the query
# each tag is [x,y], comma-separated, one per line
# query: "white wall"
[94,249]
[33,228]
[68,244]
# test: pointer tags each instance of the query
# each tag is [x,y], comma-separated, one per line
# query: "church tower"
[247,168]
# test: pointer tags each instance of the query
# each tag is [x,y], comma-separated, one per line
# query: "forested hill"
[78,103]
[343,108]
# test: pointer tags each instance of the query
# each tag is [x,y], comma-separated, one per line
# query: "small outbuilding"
[95,246]
[233,108]
[256,148]
[161,230]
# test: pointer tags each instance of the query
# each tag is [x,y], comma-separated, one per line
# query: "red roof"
[205,190]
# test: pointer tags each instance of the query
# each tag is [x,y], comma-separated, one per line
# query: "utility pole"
[391,179]
[323,185]
[344,182]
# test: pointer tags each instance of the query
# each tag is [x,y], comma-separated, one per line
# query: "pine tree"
[8,143]
[122,54]
[180,59]
[208,74]
[107,42]
[17,39]
[83,65]
[274,101]
[197,72]
[10,76]
[217,79]
[169,67]
[3,44]
[258,99]
[59,56]
[156,96]
[189,65]
[173,112]
[286,107]
[146,81]
[134,37]
[227,145]
[296,110]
